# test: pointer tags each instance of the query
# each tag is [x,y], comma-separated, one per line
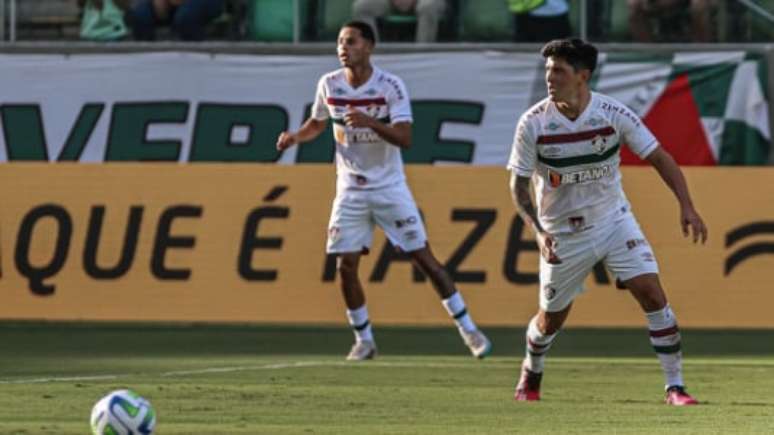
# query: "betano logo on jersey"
[581,176]
[343,136]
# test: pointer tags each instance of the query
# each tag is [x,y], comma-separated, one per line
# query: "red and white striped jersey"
[363,159]
[574,165]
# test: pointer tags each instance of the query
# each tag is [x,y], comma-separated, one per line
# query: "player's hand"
[547,244]
[356,118]
[286,140]
[693,224]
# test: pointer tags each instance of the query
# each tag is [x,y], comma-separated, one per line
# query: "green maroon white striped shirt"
[363,159]
[575,164]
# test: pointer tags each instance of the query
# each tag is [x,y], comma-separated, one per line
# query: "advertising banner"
[706,108]
[246,243]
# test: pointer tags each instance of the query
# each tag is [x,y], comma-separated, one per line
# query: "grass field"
[293,380]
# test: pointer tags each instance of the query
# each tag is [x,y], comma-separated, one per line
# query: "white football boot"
[476,341]
[362,350]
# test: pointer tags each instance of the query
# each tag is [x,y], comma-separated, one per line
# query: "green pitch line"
[241,379]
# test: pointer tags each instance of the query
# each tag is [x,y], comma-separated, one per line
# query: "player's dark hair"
[577,52]
[365,30]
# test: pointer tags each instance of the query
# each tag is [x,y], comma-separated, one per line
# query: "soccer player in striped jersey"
[568,145]
[371,114]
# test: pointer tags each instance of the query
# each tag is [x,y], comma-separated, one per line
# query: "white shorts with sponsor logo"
[355,212]
[620,244]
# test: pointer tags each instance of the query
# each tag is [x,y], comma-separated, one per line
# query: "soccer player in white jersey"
[568,146]
[371,112]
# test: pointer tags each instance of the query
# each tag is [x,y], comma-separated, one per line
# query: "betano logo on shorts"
[581,176]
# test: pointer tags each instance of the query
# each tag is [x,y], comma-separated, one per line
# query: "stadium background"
[140,182]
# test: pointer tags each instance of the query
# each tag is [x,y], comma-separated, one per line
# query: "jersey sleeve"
[523,149]
[637,136]
[398,101]
[320,109]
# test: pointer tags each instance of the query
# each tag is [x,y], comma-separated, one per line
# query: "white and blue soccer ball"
[123,412]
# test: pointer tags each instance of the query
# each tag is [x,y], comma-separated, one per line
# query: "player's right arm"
[521,193]
[522,165]
[310,130]
[313,126]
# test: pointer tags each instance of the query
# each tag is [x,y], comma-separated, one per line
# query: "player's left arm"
[398,134]
[670,172]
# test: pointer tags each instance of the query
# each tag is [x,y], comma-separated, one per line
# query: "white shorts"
[355,212]
[620,244]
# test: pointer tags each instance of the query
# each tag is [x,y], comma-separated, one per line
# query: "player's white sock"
[537,347]
[455,306]
[665,338]
[358,319]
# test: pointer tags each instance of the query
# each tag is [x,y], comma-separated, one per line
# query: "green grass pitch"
[234,379]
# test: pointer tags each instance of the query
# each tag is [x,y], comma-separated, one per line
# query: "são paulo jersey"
[574,164]
[363,159]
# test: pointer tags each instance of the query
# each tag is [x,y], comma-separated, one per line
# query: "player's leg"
[350,231]
[396,212]
[452,301]
[664,334]
[560,284]
[541,331]
[631,259]
[357,312]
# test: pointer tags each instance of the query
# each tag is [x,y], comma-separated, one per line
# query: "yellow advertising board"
[246,243]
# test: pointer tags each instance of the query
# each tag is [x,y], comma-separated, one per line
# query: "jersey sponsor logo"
[633,243]
[396,87]
[363,136]
[343,136]
[583,176]
[551,151]
[623,111]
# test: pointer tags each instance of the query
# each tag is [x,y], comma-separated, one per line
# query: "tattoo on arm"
[522,198]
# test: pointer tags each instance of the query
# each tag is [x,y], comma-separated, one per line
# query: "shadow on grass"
[111,339]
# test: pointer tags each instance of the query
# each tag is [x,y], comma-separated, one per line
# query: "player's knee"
[346,266]
[549,325]
[653,300]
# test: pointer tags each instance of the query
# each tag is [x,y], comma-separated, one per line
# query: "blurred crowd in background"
[423,21]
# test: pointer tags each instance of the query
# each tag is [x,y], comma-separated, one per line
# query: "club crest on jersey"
[599,144]
[557,179]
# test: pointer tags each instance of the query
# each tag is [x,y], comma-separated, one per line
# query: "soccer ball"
[123,412]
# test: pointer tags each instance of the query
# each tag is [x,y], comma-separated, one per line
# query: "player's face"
[352,48]
[562,80]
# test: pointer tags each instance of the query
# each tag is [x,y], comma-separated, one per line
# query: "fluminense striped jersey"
[363,159]
[574,165]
